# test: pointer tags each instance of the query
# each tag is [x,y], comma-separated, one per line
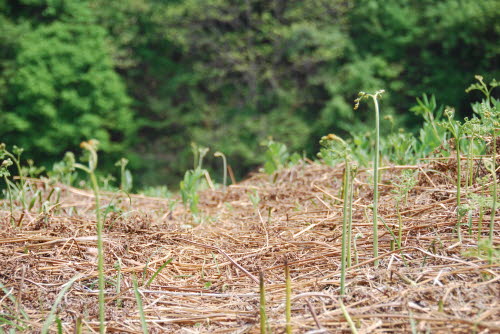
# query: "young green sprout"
[91,147]
[337,148]
[489,113]
[4,172]
[374,97]
[224,164]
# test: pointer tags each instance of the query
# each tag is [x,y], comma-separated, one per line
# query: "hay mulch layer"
[434,284]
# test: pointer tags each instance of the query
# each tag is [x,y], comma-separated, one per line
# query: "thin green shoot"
[456,129]
[224,163]
[288,302]
[262,306]
[126,181]
[494,204]
[15,156]
[348,318]
[91,147]
[52,313]
[389,230]
[356,237]
[158,271]
[59,325]
[118,266]
[4,172]
[78,325]
[335,148]
[343,262]
[376,155]
[349,217]
[138,298]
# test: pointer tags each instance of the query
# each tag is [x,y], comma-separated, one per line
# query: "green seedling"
[15,158]
[189,187]
[407,182]
[264,325]
[254,198]
[376,154]
[426,108]
[489,113]
[480,201]
[356,237]
[224,164]
[456,129]
[64,170]
[337,149]
[191,183]
[91,147]
[4,172]
[118,267]
[126,180]
[276,156]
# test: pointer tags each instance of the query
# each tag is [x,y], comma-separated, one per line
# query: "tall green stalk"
[262,307]
[4,172]
[494,204]
[224,163]
[345,219]
[91,147]
[376,156]
[353,170]
[456,129]
[288,301]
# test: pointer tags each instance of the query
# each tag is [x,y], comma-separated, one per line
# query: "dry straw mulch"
[433,284]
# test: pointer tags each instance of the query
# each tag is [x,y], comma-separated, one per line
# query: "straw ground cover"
[433,283]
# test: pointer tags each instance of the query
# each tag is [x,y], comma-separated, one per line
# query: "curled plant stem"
[224,163]
[376,155]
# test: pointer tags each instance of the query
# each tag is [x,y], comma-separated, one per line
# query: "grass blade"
[52,314]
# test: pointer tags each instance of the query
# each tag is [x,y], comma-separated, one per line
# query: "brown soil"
[434,283]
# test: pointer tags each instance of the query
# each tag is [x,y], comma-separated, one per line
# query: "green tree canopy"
[60,86]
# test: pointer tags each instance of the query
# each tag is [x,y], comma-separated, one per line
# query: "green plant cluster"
[145,77]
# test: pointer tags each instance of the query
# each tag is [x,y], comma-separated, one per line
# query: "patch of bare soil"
[434,284]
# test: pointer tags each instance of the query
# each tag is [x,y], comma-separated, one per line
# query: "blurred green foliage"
[59,86]
[147,77]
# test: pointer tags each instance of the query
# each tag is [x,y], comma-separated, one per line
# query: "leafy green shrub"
[60,88]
